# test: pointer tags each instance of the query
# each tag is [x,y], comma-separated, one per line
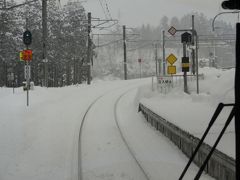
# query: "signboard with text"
[165,81]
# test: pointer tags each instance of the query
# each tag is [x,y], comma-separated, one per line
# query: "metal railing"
[216,163]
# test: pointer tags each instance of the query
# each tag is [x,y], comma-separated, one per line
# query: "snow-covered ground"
[40,142]
[193,112]
[161,158]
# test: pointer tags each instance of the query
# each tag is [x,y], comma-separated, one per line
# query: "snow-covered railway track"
[115,117]
[80,177]
[124,139]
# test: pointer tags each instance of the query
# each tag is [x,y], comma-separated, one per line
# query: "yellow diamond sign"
[171,59]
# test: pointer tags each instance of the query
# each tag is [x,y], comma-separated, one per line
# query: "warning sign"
[171,59]
[172,31]
[171,70]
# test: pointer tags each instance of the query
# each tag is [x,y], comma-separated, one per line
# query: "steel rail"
[80,172]
[123,137]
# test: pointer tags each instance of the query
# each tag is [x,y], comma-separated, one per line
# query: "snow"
[40,142]
[104,154]
[157,155]
[193,112]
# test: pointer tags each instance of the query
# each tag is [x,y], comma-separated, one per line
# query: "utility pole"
[197,68]
[164,58]
[4,61]
[28,70]
[89,49]
[195,54]
[159,62]
[160,66]
[156,59]
[186,40]
[44,38]
[125,52]
[193,50]
[185,72]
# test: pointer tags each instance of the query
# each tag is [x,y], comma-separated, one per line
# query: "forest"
[66,42]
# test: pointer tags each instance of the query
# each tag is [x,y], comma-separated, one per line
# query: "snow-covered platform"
[191,113]
[220,166]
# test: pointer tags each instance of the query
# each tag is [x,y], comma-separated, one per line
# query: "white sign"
[165,81]
[172,31]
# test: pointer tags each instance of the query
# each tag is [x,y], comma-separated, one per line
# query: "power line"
[107,7]
[103,8]
[112,42]
[102,22]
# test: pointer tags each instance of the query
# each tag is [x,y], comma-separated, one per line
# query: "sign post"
[165,83]
[28,81]
[188,38]
[12,79]
[140,67]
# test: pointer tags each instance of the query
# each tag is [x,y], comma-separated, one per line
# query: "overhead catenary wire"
[102,22]
[100,1]
[148,42]
[107,8]
[140,47]
[110,43]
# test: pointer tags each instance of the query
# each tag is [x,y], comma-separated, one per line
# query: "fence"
[220,166]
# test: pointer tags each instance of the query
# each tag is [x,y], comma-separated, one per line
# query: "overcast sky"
[137,12]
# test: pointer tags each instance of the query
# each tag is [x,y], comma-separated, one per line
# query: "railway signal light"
[27,55]
[186,38]
[27,37]
[231,4]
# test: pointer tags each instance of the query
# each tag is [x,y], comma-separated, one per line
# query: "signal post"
[187,39]
[27,57]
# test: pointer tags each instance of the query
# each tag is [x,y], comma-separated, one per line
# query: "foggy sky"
[137,12]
